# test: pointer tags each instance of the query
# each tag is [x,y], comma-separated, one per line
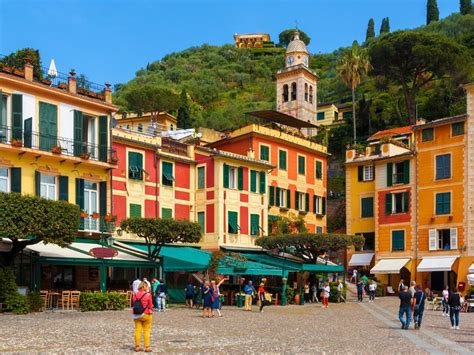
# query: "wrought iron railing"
[57,79]
[27,138]
[96,225]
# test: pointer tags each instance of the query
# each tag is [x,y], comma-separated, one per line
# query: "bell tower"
[296,83]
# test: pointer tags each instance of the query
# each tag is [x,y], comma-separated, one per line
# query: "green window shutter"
[297,199]
[301,165]
[367,207]
[398,240]
[288,198]
[80,193]
[406,172]
[319,170]
[37,183]
[389,174]
[226,176]
[78,133]
[63,182]
[103,137]
[360,173]
[232,221]
[167,177]
[282,159]
[264,153]
[15,181]
[439,203]
[388,203]
[271,197]
[103,198]
[201,177]
[323,206]
[28,133]
[135,210]
[278,197]
[48,126]
[132,163]
[240,178]
[306,202]
[166,213]
[443,203]
[17,116]
[253,181]
[263,181]
[320,116]
[254,224]
[201,221]
[314,203]
[406,201]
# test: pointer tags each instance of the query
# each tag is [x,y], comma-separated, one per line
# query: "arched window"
[140,127]
[285,93]
[306,92]
[311,93]
[293,91]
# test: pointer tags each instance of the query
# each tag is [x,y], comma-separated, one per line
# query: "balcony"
[174,147]
[20,138]
[97,225]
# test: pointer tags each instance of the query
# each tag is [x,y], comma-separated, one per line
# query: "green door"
[48,126]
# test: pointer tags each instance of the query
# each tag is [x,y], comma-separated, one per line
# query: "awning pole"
[103,277]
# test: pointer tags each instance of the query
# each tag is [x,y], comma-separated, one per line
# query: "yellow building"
[333,114]
[251,40]
[146,122]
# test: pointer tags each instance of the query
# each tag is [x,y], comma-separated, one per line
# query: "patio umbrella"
[52,72]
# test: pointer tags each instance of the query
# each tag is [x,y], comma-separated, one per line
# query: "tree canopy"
[286,36]
[184,114]
[465,7]
[309,246]
[385,26]
[27,220]
[150,98]
[370,30]
[432,11]
[160,231]
[18,59]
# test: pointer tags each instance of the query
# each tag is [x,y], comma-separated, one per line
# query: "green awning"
[248,267]
[291,265]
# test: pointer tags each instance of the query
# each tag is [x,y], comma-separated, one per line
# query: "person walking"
[372,289]
[405,307]
[455,306]
[401,285]
[412,290]
[444,301]
[189,294]
[419,298]
[340,289]
[135,285]
[207,302]
[314,292]
[325,295]
[261,296]
[354,276]
[154,295]
[161,291]
[142,316]
[215,298]
[250,292]
[360,290]
[306,292]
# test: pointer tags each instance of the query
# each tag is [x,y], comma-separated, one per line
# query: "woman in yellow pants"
[143,321]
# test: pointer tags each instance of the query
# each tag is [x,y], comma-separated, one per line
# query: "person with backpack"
[142,316]
[419,298]
[161,291]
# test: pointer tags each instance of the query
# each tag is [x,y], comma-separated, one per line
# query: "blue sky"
[109,40]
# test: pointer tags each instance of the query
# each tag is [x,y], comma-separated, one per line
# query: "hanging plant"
[84,214]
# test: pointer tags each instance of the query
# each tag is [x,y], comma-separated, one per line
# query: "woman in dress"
[216,303]
[207,295]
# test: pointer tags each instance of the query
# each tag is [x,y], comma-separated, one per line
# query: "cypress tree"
[184,115]
[370,30]
[432,12]
[465,7]
[385,27]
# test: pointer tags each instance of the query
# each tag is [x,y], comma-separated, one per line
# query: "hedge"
[91,301]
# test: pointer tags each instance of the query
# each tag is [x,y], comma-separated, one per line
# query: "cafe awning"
[389,266]
[362,259]
[471,269]
[470,279]
[289,265]
[436,263]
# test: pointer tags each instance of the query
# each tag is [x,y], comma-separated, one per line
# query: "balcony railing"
[27,138]
[174,147]
[96,225]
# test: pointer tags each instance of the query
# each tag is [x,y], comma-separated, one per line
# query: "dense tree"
[385,26]
[432,11]
[18,59]
[27,220]
[413,59]
[184,114]
[370,30]
[160,231]
[286,36]
[309,246]
[150,98]
[465,7]
[353,65]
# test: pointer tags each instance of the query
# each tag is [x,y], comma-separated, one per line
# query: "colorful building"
[331,114]
[252,40]
[146,122]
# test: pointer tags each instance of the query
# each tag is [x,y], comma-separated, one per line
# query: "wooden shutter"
[254,225]
[240,178]
[288,198]
[226,176]
[136,210]
[319,170]
[37,183]
[139,165]
[63,182]
[388,203]
[406,201]
[80,193]
[389,174]
[271,197]
[264,153]
[278,197]
[17,116]
[253,181]
[52,126]
[28,133]
[453,232]
[360,173]
[297,200]
[314,204]
[165,213]
[282,160]
[79,134]
[201,177]
[432,239]
[15,180]
[323,206]
[103,137]
[201,221]
[306,202]
[103,198]
[406,172]
[301,165]
[263,181]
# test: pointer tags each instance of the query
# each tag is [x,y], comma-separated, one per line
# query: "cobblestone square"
[343,328]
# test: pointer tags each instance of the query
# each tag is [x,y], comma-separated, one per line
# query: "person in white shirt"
[135,285]
[326,293]
[354,276]
[372,288]
[340,288]
[444,301]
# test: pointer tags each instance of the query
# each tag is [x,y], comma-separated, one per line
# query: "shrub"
[17,304]
[7,280]
[333,290]
[117,301]
[290,294]
[102,301]
[34,302]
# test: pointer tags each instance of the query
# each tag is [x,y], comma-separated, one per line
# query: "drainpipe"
[415,210]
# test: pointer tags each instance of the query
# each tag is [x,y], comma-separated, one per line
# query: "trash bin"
[239,300]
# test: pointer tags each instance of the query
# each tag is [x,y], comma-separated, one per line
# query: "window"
[398,173]
[253,181]
[232,224]
[302,201]
[135,210]
[91,204]
[369,243]
[282,198]
[443,239]
[317,204]
[427,134]
[140,127]
[457,129]
[443,166]
[254,224]
[301,165]
[306,92]
[48,186]
[366,172]
[347,115]
[232,177]
[398,240]
[167,173]
[264,152]
[367,207]
[201,220]
[319,170]
[443,203]
[135,166]
[321,116]
[319,229]
[293,91]
[201,177]
[282,159]
[4,180]
[397,202]
[311,94]
[166,213]
[285,93]
[336,115]
[3,115]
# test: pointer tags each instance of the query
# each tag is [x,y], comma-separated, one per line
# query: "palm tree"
[353,65]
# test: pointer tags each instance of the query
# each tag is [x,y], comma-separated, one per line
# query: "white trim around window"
[5,176]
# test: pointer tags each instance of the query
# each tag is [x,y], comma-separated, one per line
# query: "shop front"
[389,271]
[437,272]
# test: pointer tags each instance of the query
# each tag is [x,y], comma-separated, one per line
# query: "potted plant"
[7,69]
[113,160]
[56,149]
[84,214]
[62,86]
[16,142]
[72,72]
[95,215]
[108,217]
[85,156]
[46,81]
[18,72]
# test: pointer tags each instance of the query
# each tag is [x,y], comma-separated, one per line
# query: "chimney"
[108,93]
[71,81]
[28,70]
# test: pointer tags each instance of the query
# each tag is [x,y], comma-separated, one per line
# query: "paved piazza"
[351,327]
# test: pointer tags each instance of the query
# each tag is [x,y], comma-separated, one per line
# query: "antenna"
[296,24]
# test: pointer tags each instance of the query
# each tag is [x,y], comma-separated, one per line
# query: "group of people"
[365,286]
[250,293]
[412,302]
[157,289]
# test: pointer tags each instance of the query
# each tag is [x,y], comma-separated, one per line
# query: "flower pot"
[84,215]
[108,218]
[16,143]
[95,215]
[297,298]
[62,86]
[18,72]
[46,81]
[85,156]
[56,150]
[7,69]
